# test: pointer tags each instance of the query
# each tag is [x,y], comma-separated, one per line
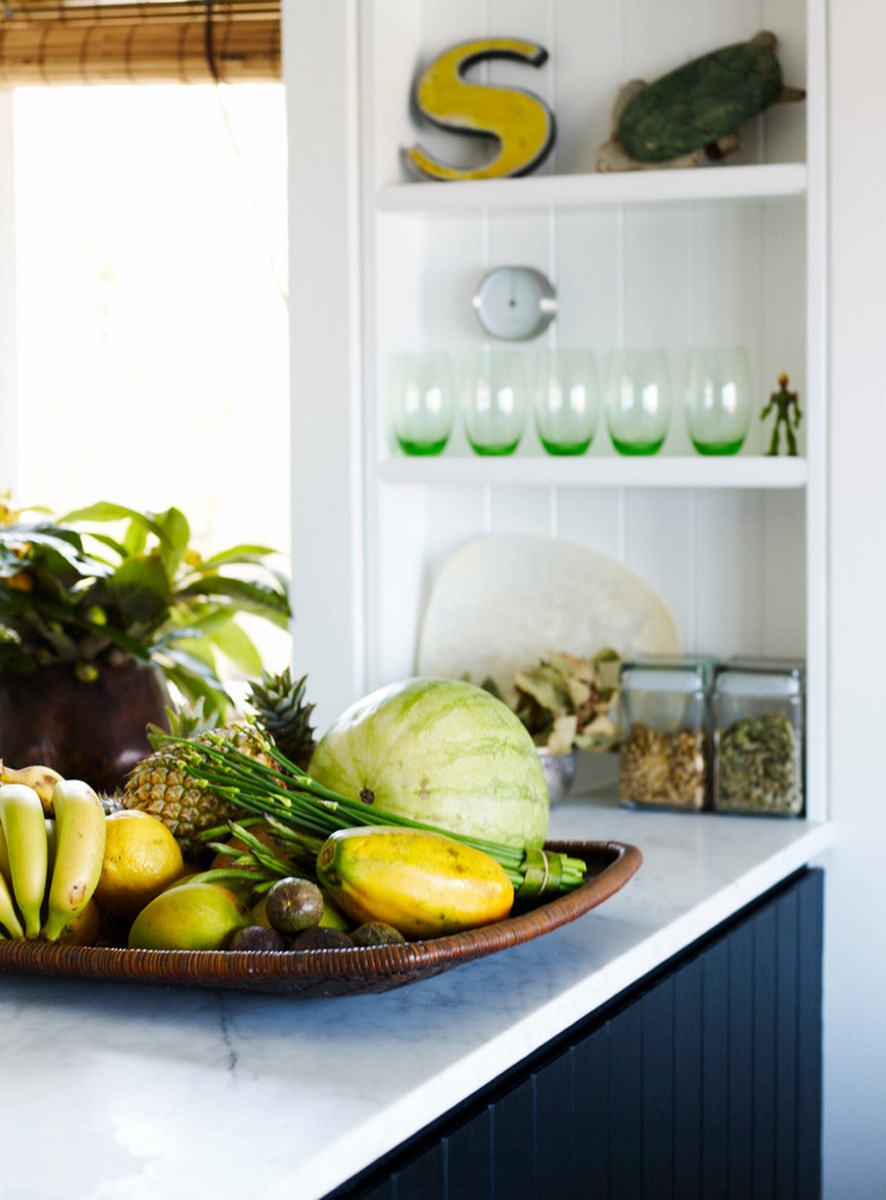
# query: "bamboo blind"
[192,41]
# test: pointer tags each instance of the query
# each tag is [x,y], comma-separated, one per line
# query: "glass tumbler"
[716,398]
[422,401]
[494,401]
[566,398]
[638,401]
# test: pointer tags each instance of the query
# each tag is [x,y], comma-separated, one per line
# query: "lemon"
[141,859]
[195,916]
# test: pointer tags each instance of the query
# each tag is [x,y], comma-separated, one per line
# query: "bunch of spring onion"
[302,813]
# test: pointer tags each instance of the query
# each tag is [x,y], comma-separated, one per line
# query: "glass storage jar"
[665,752]
[758,723]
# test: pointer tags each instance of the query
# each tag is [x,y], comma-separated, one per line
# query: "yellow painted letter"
[523,125]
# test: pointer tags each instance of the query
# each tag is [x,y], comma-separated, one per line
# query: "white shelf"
[588,471]
[701,184]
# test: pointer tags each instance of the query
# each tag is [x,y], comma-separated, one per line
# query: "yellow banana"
[79,853]
[8,916]
[4,858]
[21,815]
[41,779]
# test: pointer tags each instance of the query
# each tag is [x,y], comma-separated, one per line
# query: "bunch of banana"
[41,779]
[49,867]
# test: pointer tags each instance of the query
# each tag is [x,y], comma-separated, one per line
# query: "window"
[152,340]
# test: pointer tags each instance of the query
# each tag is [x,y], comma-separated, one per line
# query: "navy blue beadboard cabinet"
[700,1082]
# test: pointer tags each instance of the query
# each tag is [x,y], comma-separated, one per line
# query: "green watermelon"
[442,752]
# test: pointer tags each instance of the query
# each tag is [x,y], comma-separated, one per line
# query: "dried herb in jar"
[759,766]
[663,770]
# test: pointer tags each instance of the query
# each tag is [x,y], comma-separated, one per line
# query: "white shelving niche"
[723,254]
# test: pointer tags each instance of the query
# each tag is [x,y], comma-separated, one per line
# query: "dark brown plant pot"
[92,731]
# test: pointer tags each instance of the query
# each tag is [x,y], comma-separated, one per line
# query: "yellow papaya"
[424,884]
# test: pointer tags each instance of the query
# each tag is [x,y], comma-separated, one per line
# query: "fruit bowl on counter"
[339,971]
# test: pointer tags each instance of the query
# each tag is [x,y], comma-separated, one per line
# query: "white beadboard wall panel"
[592,517]
[721,22]
[784,575]
[726,263]
[393,317]
[455,251]
[782,295]
[654,37]
[656,277]
[328,583]
[588,281]
[587,79]
[455,515]
[521,510]
[658,543]
[398,557]
[520,238]
[728,572]
[390,33]
[785,126]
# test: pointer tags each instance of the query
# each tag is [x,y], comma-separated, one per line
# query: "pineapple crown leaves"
[74,593]
[281,714]
[183,723]
[284,714]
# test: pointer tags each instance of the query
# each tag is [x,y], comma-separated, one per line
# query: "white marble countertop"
[125,1092]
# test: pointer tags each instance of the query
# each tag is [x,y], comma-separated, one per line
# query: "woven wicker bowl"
[332,972]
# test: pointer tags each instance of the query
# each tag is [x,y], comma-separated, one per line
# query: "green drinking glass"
[494,401]
[717,398]
[422,402]
[565,394]
[638,403]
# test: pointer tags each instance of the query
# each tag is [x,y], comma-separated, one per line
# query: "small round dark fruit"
[321,938]
[292,905]
[258,937]
[377,933]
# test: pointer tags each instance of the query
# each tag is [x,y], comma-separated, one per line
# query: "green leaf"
[105,511]
[194,650]
[120,550]
[239,554]
[236,645]
[140,590]
[48,545]
[135,540]
[195,687]
[254,597]
[177,537]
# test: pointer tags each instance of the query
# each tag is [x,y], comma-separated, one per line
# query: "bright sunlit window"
[151,306]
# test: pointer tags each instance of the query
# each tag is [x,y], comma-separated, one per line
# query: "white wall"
[855,965]
[7,297]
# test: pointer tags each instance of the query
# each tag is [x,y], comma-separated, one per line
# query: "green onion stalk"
[303,814]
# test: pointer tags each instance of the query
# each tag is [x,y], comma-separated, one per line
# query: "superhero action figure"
[787,413]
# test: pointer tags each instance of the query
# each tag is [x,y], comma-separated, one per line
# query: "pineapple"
[282,712]
[161,785]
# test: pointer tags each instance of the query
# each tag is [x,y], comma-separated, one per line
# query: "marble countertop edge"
[386,1129]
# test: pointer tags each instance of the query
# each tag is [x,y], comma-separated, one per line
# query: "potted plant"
[103,608]
[566,703]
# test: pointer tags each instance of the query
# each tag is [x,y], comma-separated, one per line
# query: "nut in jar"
[758,739]
[664,747]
